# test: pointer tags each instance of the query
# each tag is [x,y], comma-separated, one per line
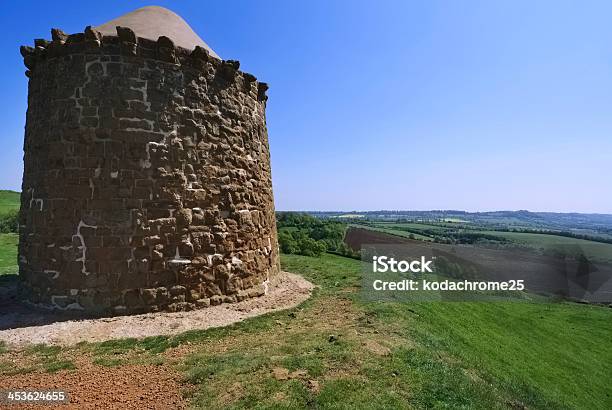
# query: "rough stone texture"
[147,179]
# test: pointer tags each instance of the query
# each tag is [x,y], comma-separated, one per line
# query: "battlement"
[127,44]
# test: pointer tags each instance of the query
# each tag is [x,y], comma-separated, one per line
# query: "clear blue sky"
[394,104]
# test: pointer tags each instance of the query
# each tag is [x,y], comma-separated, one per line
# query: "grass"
[336,351]
[8,253]
[388,228]
[437,228]
[538,355]
[454,355]
[153,344]
[50,358]
[533,353]
[9,201]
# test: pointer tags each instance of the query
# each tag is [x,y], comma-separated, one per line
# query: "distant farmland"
[473,233]
[597,250]
[543,273]
[395,230]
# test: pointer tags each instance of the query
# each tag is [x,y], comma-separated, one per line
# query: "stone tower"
[147,179]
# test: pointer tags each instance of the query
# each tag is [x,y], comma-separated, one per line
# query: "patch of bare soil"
[356,237]
[96,387]
[23,328]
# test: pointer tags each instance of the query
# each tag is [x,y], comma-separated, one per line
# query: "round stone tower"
[147,179]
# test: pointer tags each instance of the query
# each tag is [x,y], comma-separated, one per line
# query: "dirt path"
[290,292]
[97,387]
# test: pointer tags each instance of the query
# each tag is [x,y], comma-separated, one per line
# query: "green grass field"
[9,201]
[8,253]
[337,352]
[487,355]
[596,250]
[438,228]
[389,228]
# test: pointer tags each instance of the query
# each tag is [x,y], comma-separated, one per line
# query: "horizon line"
[446,210]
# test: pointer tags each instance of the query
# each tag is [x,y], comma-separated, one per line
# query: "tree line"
[303,234]
[9,222]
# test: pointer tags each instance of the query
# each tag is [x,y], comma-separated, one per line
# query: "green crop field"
[596,250]
[393,230]
[542,238]
[9,201]
[439,228]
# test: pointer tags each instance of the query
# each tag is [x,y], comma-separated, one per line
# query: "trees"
[311,247]
[286,242]
[304,234]
[9,222]
[298,242]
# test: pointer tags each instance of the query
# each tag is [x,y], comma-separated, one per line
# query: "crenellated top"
[127,43]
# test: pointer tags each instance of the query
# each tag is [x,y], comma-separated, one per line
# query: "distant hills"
[578,223]
[600,224]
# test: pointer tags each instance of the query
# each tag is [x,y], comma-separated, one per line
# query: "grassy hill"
[9,201]
[8,253]
[336,351]
[339,351]
[481,355]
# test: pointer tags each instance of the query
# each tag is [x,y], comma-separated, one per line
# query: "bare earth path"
[23,327]
[97,387]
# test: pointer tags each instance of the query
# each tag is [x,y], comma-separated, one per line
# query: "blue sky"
[394,104]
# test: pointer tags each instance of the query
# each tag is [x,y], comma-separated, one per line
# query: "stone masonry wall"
[147,179]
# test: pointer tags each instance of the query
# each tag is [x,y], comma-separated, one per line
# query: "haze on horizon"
[358,211]
[475,106]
